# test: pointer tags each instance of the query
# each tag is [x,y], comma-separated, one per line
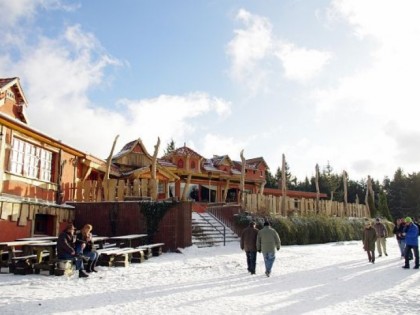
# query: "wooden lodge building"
[41,178]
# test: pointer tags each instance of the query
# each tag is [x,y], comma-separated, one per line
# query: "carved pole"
[368,189]
[317,187]
[345,180]
[283,184]
[242,184]
[153,181]
[108,162]
[105,182]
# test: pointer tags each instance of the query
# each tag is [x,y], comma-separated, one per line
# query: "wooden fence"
[108,190]
[272,205]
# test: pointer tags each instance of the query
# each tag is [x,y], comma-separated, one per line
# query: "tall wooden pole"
[283,185]
[242,183]
[345,182]
[317,187]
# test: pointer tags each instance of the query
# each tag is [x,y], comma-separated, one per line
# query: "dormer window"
[192,165]
[180,163]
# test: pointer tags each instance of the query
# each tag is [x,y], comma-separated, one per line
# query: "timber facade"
[42,178]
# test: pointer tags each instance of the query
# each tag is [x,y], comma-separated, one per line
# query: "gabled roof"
[146,170]
[14,85]
[255,162]
[183,151]
[221,160]
[129,147]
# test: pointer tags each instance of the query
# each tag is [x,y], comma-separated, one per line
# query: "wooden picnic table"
[100,240]
[127,239]
[39,238]
[39,248]
[11,249]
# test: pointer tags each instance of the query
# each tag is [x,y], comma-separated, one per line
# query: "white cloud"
[301,64]
[384,93]
[169,116]
[248,47]
[16,11]
[214,144]
[255,52]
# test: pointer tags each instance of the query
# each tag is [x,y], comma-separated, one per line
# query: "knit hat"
[266,223]
[408,220]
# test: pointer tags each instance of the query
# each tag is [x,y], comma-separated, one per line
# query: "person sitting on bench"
[65,249]
[84,246]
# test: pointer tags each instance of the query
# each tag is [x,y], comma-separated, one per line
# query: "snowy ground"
[333,278]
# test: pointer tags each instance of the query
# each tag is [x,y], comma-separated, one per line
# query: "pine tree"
[170,147]
[383,206]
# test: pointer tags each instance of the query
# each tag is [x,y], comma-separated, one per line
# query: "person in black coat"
[399,234]
[65,249]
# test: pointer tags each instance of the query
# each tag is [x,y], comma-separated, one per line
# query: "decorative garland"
[153,213]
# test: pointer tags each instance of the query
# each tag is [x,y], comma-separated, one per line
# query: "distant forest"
[394,198]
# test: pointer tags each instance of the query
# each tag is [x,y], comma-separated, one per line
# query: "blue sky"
[319,81]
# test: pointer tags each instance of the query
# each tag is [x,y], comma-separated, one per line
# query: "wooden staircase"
[208,231]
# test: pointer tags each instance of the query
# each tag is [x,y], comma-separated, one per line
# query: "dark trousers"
[251,260]
[408,249]
[371,255]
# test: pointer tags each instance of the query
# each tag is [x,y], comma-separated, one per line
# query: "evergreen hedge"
[312,229]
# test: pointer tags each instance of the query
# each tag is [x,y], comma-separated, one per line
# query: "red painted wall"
[10,231]
[122,218]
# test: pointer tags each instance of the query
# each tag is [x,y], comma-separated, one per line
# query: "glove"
[278,248]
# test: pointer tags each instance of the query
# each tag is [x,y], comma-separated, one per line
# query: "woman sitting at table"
[65,249]
[84,246]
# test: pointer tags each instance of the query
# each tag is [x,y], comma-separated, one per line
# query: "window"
[29,160]
[180,164]
[192,165]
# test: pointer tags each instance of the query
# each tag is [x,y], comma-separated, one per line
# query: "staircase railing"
[222,224]
[226,215]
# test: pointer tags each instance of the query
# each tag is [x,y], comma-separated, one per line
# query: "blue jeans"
[401,244]
[92,255]
[251,260]
[79,262]
[269,260]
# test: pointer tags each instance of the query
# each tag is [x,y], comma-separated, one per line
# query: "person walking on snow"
[411,243]
[268,241]
[249,244]
[369,239]
[381,234]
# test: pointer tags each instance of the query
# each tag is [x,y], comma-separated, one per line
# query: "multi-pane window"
[30,160]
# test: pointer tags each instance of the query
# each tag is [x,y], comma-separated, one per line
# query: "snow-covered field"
[333,278]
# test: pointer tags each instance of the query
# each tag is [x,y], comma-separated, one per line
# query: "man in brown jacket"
[249,244]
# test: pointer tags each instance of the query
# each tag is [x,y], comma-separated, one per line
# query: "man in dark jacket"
[65,249]
[268,240]
[249,244]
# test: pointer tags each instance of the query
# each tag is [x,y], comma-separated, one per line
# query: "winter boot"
[89,266]
[83,274]
[92,268]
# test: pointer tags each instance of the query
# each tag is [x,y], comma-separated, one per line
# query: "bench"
[23,265]
[152,249]
[120,257]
